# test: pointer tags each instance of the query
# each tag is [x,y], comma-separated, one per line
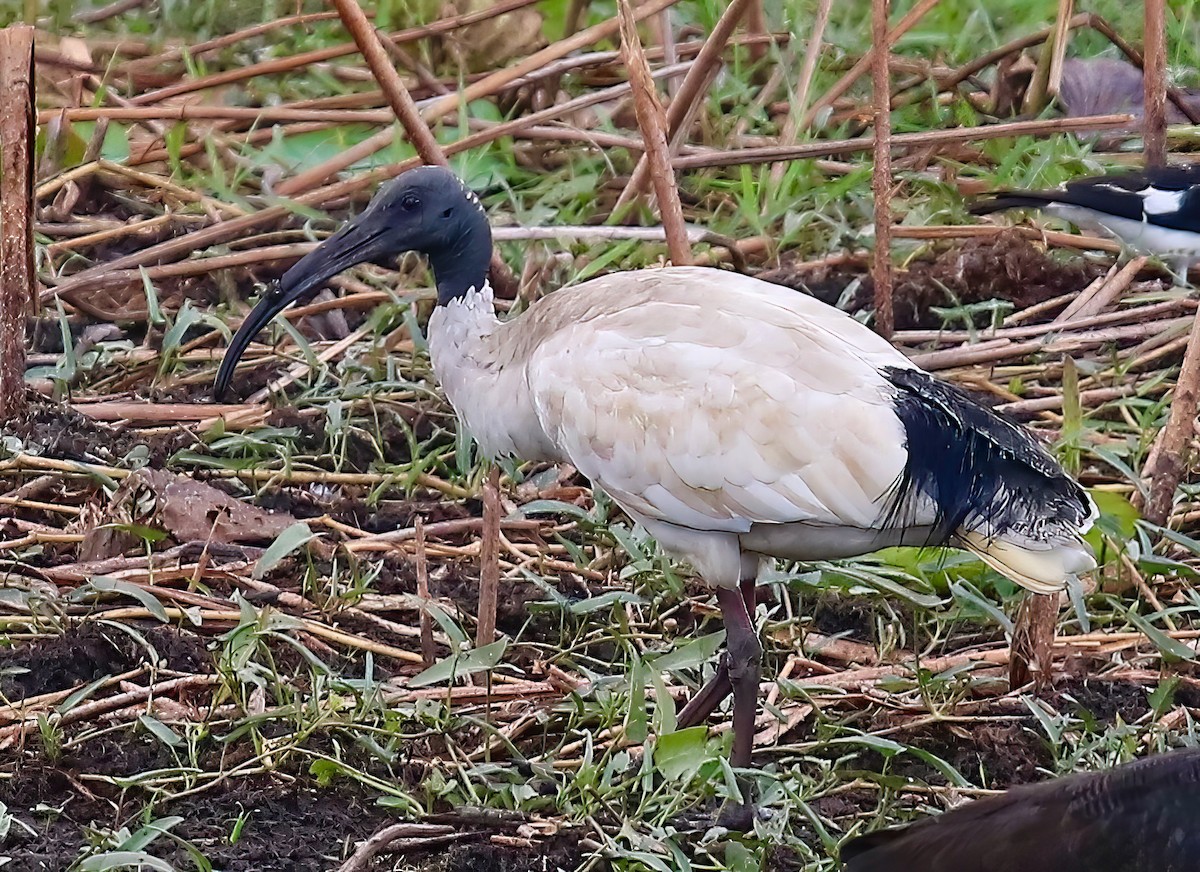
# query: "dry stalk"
[653,123]
[884,46]
[1033,640]
[687,102]
[428,652]
[402,104]
[927,139]
[498,80]
[489,561]
[1099,24]
[881,171]
[1048,76]
[298,61]
[1169,458]
[17,278]
[1154,79]
[812,53]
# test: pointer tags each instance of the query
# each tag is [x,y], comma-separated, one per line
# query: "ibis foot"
[737,817]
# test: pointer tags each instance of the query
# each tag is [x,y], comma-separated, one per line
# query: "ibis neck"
[462,266]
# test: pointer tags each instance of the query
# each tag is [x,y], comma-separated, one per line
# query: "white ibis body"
[733,418]
[1155,210]
[1140,817]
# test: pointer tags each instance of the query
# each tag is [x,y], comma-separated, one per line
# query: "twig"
[686,103]
[365,853]
[499,79]
[17,279]
[928,139]
[428,651]
[1033,640]
[881,171]
[389,80]
[1099,24]
[812,53]
[1048,76]
[295,62]
[95,16]
[489,561]
[653,123]
[1169,458]
[884,46]
[1093,301]
[1154,80]
[402,104]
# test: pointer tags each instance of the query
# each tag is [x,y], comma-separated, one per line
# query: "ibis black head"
[427,210]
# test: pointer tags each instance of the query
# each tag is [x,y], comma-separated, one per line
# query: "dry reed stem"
[489,561]
[927,139]
[881,170]
[1154,80]
[907,23]
[1032,641]
[421,566]
[1047,77]
[498,80]
[1099,24]
[398,97]
[687,102]
[298,61]
[653,123]
[390,83]
[1170,456]
[1107,293]
[17,278]
[812,54]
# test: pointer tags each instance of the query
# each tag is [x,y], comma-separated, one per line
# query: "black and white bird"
[1139,817]
[1154,211]
[735,419]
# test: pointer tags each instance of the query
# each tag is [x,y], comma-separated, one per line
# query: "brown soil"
[1006,266]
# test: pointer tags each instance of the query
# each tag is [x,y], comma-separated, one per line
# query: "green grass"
[338,718]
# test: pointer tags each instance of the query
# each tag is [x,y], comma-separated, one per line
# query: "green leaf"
[679,755]
[637,718]
[1171,649]
[967,593]
[145,835]
[289,540]
[690,654]
[160,731]
[604,601]
[138,860]
[457,665]
[106,584]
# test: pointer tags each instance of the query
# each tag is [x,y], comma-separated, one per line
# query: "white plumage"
[735,419]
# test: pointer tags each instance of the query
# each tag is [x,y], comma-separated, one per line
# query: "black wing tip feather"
[978,468]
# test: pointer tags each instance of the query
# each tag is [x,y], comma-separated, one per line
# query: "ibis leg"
[707,698]
[744,657]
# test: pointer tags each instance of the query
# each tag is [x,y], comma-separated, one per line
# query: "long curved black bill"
[359,241]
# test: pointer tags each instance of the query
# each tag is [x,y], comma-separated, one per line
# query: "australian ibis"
[1139,817]
[735,419]
[1155,210]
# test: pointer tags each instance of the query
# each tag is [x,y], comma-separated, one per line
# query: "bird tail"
[1042,567]
[1003,200]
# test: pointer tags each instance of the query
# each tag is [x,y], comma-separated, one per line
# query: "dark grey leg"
[707,698]
[745,655]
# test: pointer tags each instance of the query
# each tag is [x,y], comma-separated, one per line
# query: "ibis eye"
[409,202]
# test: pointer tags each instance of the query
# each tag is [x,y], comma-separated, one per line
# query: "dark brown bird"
[1140,817]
